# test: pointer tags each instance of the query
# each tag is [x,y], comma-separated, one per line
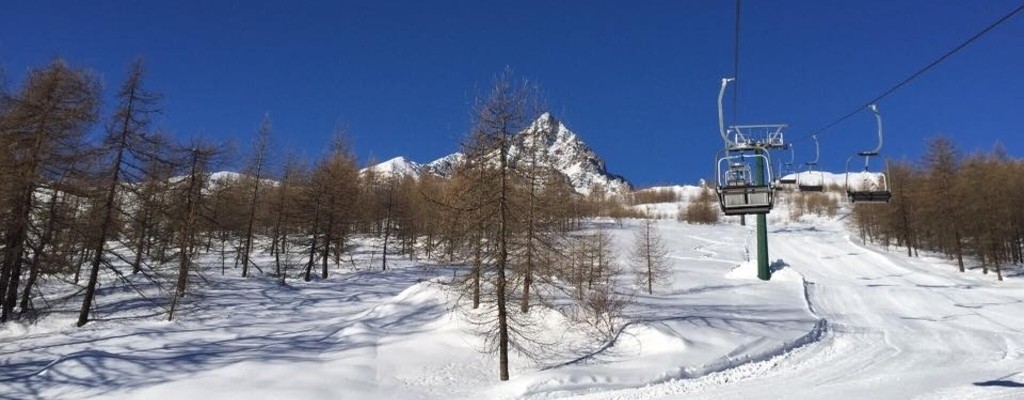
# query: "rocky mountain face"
[567,153]
[555,144]
[444,166]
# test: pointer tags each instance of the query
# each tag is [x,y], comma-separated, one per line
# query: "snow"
[444,166]
[830,178]
[225,175]
[839,320]
[395,167]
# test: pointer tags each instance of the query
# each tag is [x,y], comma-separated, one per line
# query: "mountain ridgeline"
[556,145]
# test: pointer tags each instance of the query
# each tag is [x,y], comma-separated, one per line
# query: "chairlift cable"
[736,67]
[915,75]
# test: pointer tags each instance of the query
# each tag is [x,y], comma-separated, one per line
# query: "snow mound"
[747,270]
[653,339]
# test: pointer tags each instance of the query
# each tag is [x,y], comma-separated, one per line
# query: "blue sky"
[637,80]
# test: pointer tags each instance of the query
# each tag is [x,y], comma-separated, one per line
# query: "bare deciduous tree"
[335,189]
[257,170]
[488,199]
[702,209]
[127,130]
[593,274]
[42,132]
[649,257]
[190,197]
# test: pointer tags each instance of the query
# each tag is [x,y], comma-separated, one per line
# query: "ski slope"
[898,328]
[839,320]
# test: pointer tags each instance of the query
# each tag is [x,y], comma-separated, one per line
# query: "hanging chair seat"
[869,196]
[871,189]
[745,199]
[811,188]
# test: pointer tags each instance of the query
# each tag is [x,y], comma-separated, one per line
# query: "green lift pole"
[763,272]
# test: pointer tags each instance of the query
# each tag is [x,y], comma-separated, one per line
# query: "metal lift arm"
[878,118]
[721,112]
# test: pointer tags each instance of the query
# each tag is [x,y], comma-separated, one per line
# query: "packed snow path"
[899,328]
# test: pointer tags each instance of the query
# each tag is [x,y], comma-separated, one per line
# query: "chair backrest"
[746,200]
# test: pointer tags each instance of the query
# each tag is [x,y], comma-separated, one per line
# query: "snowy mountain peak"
[546,141]
[395,167]
[548,131]
[566,152]
[545,120]
[444,166]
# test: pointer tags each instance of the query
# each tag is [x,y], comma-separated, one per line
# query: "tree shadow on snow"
[229,321]
[1013,271]
[1001,382]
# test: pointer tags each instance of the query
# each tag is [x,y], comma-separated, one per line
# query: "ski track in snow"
[897,329]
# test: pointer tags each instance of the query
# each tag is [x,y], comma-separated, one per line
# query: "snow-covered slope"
[839,320]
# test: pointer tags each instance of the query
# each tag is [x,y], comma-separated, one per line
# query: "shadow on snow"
[230,320]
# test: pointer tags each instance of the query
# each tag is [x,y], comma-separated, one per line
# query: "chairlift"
[869,187]
[806,181]
[741,191]
[787,175]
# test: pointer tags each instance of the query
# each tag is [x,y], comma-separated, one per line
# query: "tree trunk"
[502,264]
[387,229]
[252,214]
[44,242]
[105,224]
[278,241]
[187,236]
[313,242]
[959,249]
[13,259]
[476,273]
[328,237]
[139,245]
[650,267]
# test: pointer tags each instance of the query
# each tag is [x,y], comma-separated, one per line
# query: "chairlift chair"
[739,191]
[810,184]
[873,188]
[787,176]
[806,181]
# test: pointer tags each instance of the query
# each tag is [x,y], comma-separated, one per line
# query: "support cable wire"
[915,75]
[736,68]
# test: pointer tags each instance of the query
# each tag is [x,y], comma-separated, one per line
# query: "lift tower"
[743,174]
